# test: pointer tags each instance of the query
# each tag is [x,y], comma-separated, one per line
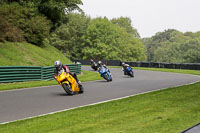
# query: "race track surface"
[31,102]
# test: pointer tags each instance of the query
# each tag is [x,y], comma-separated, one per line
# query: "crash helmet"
[58,65]
[99,62]
[123,63]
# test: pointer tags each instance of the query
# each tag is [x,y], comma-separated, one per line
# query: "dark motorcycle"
[129,71]
[94,66]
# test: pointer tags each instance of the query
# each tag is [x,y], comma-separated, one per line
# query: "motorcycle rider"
[100,64]
[59,66]
[124,67]
[91,61]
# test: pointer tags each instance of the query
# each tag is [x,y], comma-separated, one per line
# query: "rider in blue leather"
[124,67]
[100,64]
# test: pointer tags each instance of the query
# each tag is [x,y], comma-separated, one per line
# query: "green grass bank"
[25,54]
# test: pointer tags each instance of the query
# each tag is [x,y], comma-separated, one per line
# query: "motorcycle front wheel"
[131,74]
[106,77]
[81,88]
[68,89]
[110,78]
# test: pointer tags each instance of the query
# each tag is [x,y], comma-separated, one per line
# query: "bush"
[34,26]
[9,32]
[37,30]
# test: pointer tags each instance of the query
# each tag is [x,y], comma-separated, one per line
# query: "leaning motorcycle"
[129,71]
[94,66]
[69,83]
[105,73]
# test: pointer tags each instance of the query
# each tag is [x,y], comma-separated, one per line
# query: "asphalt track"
[193,129]
[31,102]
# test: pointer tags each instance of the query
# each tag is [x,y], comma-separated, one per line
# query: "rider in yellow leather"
[59,66]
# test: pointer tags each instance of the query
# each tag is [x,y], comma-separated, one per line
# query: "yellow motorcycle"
[69,83]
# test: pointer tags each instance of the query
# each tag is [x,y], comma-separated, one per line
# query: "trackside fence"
[31,73]
[190,66]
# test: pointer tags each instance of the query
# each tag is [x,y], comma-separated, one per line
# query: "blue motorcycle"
[129,71]
[105,73]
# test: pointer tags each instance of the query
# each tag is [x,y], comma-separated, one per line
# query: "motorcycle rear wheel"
[68,89]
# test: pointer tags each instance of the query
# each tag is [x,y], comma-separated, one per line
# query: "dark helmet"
[58,65]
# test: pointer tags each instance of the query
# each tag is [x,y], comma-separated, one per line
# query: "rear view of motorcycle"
[93,65]
[105,73]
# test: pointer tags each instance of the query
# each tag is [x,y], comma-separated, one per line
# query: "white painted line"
[97,103]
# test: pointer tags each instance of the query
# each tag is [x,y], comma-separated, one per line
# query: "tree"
[125,22]
[9,32]
[105,40]
[32,26]
[67,37]
[54,10]
[173,46]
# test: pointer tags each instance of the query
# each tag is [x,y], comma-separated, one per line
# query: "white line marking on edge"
[96,103]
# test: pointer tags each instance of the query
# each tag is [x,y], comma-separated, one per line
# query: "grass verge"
[86,76]
[170,110]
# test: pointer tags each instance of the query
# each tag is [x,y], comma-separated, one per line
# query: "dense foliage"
[67,37]
[100,38]
[9,32]
[33,19]
[26,24]
[105,40]
[125,22]
[54,10]
[174,46]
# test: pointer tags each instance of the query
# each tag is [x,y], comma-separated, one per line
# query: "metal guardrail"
[31,73]
[189,66]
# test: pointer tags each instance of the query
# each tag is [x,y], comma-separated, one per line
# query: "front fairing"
[128,69]
[62,76]
[102,70]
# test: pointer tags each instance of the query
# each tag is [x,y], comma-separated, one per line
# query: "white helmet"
[57,64]
[123,63]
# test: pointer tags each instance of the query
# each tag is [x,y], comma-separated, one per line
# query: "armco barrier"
[191,66]
[31,73]
[107,62]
